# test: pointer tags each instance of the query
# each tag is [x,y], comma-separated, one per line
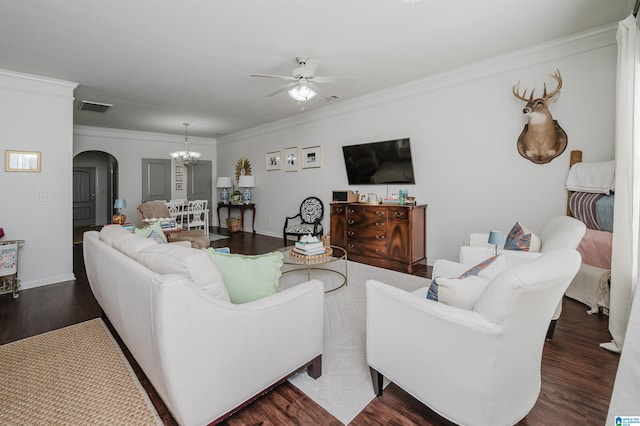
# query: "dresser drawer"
[398,213]
[367,235]
[367,211]
[374,251]
[362,222]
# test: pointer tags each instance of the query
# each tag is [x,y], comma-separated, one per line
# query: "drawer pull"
[380,237]
[379,251]
[351,233]
[380,224]
[351,221]
[350,245]
[380,213]
[351,211]
[399,214]
[340,210]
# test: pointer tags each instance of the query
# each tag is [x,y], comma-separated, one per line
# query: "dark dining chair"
[307,221]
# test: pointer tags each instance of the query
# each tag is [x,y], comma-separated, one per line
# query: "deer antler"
[516,93]
[557,77]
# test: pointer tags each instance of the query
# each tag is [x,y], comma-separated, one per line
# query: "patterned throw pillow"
[464,290]
[518,239]
[153,231]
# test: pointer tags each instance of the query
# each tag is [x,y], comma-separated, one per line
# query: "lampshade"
[302,92]
[246,182]
[224,182]
[120,203]
[496,237]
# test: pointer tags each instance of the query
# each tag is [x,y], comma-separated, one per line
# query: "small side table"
[242,208]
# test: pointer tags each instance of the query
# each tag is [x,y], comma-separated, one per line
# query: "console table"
[242,208]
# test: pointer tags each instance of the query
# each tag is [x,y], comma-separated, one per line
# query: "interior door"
[156,179]
[84,196]
[200,183]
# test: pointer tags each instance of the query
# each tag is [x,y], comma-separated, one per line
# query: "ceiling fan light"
[302,93]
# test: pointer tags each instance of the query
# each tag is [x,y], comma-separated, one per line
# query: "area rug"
[74,375]
[345,388]
[216,237]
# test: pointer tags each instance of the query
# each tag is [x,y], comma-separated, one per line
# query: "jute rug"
[71,376]
[345,388]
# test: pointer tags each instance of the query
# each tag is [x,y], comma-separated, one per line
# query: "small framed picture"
[179,186]
[363,198]
[311,157]
[291,159]
[273,161]
[179,169]
[179,178]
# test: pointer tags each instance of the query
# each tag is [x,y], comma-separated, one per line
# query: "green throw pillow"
[153,231]
[248,278]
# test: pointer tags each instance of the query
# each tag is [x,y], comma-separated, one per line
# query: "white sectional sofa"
[205,356]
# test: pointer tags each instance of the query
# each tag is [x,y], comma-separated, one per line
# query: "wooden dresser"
[389,236]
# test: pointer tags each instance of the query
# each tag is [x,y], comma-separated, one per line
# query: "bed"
[590,199]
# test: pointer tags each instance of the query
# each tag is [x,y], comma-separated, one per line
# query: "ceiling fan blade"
[331,79]
[314,87]
[282,89]
[284,77]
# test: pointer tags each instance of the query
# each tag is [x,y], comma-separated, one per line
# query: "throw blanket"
[583,208]
[595,248]
[592,177]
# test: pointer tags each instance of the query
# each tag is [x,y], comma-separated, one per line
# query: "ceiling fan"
[303,80]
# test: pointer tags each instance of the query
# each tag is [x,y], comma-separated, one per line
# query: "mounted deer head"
[542,139]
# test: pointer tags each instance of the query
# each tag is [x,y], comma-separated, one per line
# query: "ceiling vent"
[94,106]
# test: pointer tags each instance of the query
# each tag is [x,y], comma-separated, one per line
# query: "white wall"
[129,148]
[463,126]
[36,115]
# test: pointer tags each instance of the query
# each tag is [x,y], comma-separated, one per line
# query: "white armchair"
[473,367]
[560,232]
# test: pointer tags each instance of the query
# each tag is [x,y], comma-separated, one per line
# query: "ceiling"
[165,62]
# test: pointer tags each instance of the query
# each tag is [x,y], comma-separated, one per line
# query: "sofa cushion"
[109,232]
[248,278]
[190,263]
[130,244]
[152,231]
[464,290]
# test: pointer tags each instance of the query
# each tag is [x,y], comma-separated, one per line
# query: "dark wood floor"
[577,376]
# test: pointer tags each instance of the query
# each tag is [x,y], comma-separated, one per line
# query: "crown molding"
[596,38]
[129,135]
[35,84]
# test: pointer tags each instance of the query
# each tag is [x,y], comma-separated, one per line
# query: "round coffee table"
[318,263]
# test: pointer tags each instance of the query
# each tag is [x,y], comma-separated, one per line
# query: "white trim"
[131,135]
[45,281]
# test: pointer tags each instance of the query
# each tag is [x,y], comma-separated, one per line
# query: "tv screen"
[379,163]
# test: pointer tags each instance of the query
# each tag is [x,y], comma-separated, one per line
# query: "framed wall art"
[179,178]
[21,161]
[179,186]
[179,169]
[291,159]
[311,157]
[273,161]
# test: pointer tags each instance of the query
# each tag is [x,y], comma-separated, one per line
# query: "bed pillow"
[464,290]
[521,239]
[248,278]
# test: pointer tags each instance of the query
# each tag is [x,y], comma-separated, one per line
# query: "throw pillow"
[464,290]
[517,239]
[248,278]
[152,231]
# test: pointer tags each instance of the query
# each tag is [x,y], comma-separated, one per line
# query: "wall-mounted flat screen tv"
[379,163]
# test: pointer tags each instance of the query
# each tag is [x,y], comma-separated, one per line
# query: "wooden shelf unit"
[385,235]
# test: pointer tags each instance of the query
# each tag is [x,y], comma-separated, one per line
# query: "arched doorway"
[95,187]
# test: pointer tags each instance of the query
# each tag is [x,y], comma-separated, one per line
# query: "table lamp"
[246,182]
[496,238]
[119,204]
[224,182]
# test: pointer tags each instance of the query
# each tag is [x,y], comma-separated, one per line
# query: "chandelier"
[302,92]
[185,157]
